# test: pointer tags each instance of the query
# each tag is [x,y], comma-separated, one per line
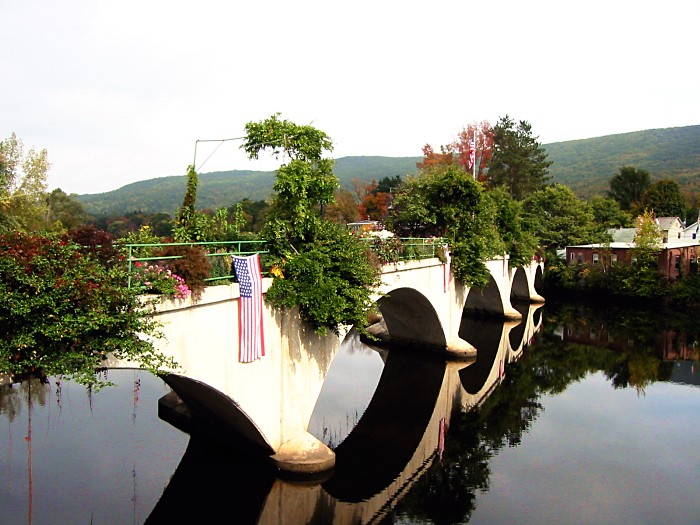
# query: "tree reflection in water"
[632,349]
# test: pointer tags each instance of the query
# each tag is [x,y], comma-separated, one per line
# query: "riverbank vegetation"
[64,311]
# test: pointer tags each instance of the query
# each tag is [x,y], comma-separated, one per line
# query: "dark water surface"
[593,418]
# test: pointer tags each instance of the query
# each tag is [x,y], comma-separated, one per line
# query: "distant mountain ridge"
[585,165]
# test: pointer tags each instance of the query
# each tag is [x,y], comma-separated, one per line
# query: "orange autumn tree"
[375,197]
[446,157]
[457,152]
[483,141]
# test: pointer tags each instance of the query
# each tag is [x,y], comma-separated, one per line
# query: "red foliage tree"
[374,204]
[483,140]
[446,157]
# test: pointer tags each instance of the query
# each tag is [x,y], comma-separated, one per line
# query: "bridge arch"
[214,414]
[387,435]
[485,334]
[485,300]
[519,290]
[411,318]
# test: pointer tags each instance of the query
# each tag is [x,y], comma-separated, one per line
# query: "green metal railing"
[214,249]
[390,249]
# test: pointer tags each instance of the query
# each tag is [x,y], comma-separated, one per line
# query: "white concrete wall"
[279,391]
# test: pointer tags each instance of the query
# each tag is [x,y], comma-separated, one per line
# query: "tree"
[253,213]
[458,151]
[520,242]
[431,158]
[344,209]
[519,161]
[664,197]
[22,185]
[627,187]
[608,214]
[374,204]
[321,267]
[190,225]
[64,211]
[304,184]
[561,219]
[441,201]
[643,276]
[647,239]
[482,135]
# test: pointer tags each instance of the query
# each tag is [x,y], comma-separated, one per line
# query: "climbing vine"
[319,266]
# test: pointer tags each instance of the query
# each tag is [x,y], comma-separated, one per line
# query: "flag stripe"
[446,269]
[472,153]
[250,308]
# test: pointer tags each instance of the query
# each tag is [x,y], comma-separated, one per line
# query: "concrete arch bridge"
[402,433]
[265,406]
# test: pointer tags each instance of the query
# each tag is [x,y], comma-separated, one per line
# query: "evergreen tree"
[627,187]
[519,161]
[664,197]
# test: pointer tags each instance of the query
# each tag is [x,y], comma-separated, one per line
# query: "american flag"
[250,308]
[472,154]
[446,269]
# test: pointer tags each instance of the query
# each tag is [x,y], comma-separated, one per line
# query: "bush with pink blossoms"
[156,279]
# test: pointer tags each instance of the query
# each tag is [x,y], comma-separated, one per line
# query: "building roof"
[692,227]
[622,234]
[675,243]
[666,223]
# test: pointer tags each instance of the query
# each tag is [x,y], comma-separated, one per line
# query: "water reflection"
[386,412]
[71,455]
[417,439]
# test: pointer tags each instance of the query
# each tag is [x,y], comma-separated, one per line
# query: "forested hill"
[224,188]
[585,165]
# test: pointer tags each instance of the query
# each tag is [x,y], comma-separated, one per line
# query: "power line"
[221,141]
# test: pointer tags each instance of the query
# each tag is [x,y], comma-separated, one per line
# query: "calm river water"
[576,415]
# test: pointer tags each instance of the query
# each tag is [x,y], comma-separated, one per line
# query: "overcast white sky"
[120,91]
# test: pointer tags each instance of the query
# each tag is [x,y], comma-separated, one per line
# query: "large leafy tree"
[520,242]
[22,186]
[476,136]
[305,181]
[608,214]
[482,136]
[441,201]
[664,197]
[559,218]
[64,211]
[344,209]
[519,161]
[627,187]
[375,199]
[321,267]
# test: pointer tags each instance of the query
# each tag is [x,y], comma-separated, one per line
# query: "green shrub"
[63,311]
[330,280]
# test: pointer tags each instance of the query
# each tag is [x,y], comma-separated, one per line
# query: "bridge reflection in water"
[383,445]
